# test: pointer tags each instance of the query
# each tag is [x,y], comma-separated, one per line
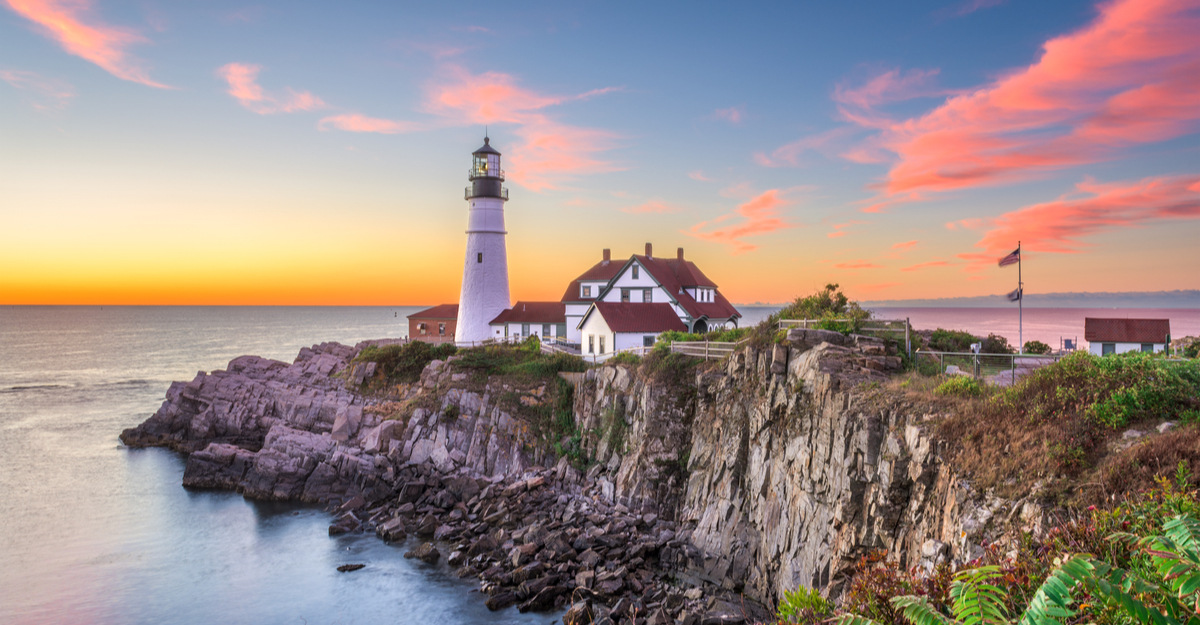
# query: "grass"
[402,363]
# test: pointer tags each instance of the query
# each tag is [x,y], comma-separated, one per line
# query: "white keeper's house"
[618,305]
[1117,336]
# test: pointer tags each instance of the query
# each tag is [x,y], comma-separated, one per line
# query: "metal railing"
[987,365]
[467,192]
[491,172]
[889,328]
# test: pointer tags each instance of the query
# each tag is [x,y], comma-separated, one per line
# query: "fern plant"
[975,599]
[1175,557]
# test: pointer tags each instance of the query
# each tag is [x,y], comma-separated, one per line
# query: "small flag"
[1015,296]
[1011,259]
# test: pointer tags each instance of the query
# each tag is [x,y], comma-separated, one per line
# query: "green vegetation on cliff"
[402,363]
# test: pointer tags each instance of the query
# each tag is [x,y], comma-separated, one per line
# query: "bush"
[951,341]
[624,358]
[403,362]
[803,606]
[827,305]
[960,386]
[1036,347]
[995,344]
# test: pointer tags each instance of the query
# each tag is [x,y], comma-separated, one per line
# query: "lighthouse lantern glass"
[480,165]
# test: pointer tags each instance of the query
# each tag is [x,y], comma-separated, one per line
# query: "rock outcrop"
[775,468]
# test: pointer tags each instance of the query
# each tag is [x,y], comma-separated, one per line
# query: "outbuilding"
[1118,336]
[433,325]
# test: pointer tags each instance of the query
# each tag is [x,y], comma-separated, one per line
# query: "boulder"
[425,552]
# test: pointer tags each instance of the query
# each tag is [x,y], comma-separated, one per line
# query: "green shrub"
[828,303]
[624,358]
[802,606]
[1036,347]
[951,341]
[995,344]
[403,362]
[960,386]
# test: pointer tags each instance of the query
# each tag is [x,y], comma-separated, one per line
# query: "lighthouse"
[485,268]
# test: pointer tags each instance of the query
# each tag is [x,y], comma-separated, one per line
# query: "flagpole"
[1020,305]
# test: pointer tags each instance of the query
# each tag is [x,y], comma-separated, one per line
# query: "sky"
[316,153]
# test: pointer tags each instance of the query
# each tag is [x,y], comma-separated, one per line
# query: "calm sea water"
[96,533]
[93,532]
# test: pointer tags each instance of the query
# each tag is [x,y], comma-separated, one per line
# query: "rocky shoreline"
[708,495]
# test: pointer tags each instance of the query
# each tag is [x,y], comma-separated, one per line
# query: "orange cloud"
[858,264]
[44,94]
[758,216]
[920,266]
[549,151]
[653,206]
[354,122]
[1126,78]
[1060,226]
[243,86]
[906,245]
[68,23]
[839,230]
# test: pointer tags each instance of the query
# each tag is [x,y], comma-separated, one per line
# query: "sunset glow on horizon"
[306,154]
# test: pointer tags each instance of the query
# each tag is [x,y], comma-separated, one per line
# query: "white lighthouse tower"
[485,268]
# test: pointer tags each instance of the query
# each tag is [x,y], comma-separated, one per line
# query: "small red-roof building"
[1117,336]
[614,326]
[544,320]
[434,325]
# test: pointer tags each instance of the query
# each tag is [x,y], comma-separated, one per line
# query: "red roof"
[533,312]
[602,271]
[675,274]
[445,311]
[639,317]
[1126,330]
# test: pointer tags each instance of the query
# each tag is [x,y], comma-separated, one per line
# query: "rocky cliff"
[775,468]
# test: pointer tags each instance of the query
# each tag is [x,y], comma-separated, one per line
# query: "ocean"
[98,533]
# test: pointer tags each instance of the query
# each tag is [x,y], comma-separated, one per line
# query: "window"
[646,298]
[635,272]
[479,257]
[561,330]
[601,343]
[545,329]
[585,291]
[1108,348]
[624,296]
[422,328]
[1148,347]
[647,341]
[524,329]
[591,344]
[442,329]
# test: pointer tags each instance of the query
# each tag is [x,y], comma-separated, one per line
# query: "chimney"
[649,251]
[681,253]
[607,254]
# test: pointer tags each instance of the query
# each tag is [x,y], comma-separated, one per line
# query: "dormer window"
[585,291]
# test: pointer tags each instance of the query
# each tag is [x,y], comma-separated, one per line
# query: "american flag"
[1015,296]
[1011,259]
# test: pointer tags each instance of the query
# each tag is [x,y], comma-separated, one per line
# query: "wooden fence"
[886,328]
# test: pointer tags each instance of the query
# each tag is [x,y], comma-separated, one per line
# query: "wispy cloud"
[928,265]
[1127,78]
[653,206]
[1062,226]
[757,216]
[72,25]
[829,143]
[857,264]
[550,151]
[243,86]
[904,246]
[699,176]
[732,114]
[42,93]
[840,230]
[355,122]
[964,8]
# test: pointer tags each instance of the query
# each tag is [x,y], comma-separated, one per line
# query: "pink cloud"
[828,143]
[1126,78]
[904,246]
[732,114]
[698,176]
[243,86]
[43,94]
[653,206]
[858,264]
[839,230]
[760,215]
[928,265]
[549,151]
[890,86]
[70,24]
[355,122]
[1061,226]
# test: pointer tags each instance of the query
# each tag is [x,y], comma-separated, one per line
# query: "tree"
[827,305]
[1036,347]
